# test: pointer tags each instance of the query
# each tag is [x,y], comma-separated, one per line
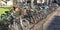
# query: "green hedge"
[3,9]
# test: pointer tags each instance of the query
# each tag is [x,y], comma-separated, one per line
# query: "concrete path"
[53,22]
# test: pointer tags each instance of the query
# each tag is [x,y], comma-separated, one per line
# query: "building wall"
[9,2]
[6,3]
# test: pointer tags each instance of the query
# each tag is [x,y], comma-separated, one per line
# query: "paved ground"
[53,23]
[40,24]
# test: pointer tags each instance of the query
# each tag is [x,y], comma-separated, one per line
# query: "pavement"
[40,25]
[53,22]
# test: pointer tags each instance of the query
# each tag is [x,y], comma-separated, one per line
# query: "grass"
[3,9]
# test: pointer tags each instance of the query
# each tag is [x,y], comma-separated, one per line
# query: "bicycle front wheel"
[25,24]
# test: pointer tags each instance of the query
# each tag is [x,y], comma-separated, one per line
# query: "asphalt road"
[53,23]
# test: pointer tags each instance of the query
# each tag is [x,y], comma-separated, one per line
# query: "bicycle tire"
[24,27]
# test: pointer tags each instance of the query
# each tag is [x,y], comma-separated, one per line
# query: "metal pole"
[32,4]
[47,2]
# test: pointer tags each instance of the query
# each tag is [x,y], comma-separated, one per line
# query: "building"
[2,3]
[6,3]
[10,3]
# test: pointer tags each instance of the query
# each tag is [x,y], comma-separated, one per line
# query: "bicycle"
[19,20]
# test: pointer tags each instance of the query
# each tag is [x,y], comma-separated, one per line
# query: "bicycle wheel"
[25,24]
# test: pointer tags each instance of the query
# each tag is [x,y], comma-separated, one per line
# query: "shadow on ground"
[55,24]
